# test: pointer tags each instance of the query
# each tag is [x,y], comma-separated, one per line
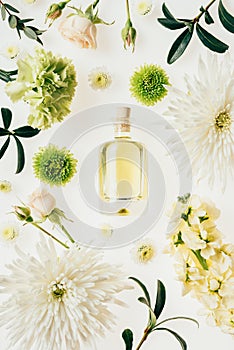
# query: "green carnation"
[47,83]
[54,166]
[147,84]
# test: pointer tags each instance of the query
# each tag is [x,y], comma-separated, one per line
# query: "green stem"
[128,9]
[67,234]
[196,19]
[49,234]
[201,260]
[143,339]
[95,3]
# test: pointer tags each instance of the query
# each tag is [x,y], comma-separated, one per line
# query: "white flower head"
[64,300]
[143,252]
[5,186]
[9,232]
[10,51]
[205,117]
[143,7]
[99,78]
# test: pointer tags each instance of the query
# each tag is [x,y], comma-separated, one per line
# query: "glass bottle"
[122,172]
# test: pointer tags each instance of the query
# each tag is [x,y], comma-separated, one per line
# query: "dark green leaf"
[127,336]
[226,18]
[143,287]
[179,46]
[178,318]
[208,18]
[3,13]
[160,299]
[11,8]
[4,132]
[4,147]
[21,157]
[12,21]
[210,41]
[30,33]
[172,24]
[166,12]
[26,20]
[26,131]
[176,335]
[6,117]
[152,317]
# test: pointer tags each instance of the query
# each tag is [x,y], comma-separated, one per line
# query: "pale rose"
[42,203]
[81,31]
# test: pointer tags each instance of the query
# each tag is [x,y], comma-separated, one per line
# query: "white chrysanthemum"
[9,232]
[205,116]
[99,78]
[143,252]
[56,302]
[10,51]
[143,7]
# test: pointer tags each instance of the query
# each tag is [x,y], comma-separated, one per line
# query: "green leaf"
[143,287]
[226,18]
[208,18]
[178,318]
[152,318]
[3,13]
[26,131]
[98,20]
[30,33]
[176,335]
[160,299]
[166,12]
[4,132]
[127,336]
[26,20]
[11,8]
[210,41]
[180,45]
[6,117]
[172,24]
[12,21]
[4,147]
[201,260]
[21,157]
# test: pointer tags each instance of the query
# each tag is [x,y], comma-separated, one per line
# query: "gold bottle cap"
[123,119]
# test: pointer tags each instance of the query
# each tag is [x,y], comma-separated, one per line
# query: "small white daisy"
[5,186]
[205,117]
[10,51]
[143,252]
[143,7]
[9,232]
[99,78]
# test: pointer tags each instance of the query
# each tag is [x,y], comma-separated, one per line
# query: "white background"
[152,45]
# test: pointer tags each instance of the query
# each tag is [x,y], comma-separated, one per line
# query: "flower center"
[58,289]
[223,121]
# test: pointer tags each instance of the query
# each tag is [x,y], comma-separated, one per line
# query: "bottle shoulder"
[123,141]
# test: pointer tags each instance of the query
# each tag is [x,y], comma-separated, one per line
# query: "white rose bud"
[81,31]
[42,203]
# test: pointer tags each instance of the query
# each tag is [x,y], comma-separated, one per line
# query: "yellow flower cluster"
[204,263]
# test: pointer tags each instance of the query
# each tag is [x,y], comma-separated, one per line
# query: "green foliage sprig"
[19,24]
[24,131]
[8,75]
[207,39]
[154,313]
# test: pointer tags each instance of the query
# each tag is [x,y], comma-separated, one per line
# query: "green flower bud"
[23,213]
[55,11]
[129,35]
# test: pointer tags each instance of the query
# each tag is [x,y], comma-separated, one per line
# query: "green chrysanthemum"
[47,83]
[147,84]
[54,166]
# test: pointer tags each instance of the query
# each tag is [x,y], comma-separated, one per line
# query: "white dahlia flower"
[57,302]
[204,115]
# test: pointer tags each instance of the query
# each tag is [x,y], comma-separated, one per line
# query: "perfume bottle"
[123,164]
